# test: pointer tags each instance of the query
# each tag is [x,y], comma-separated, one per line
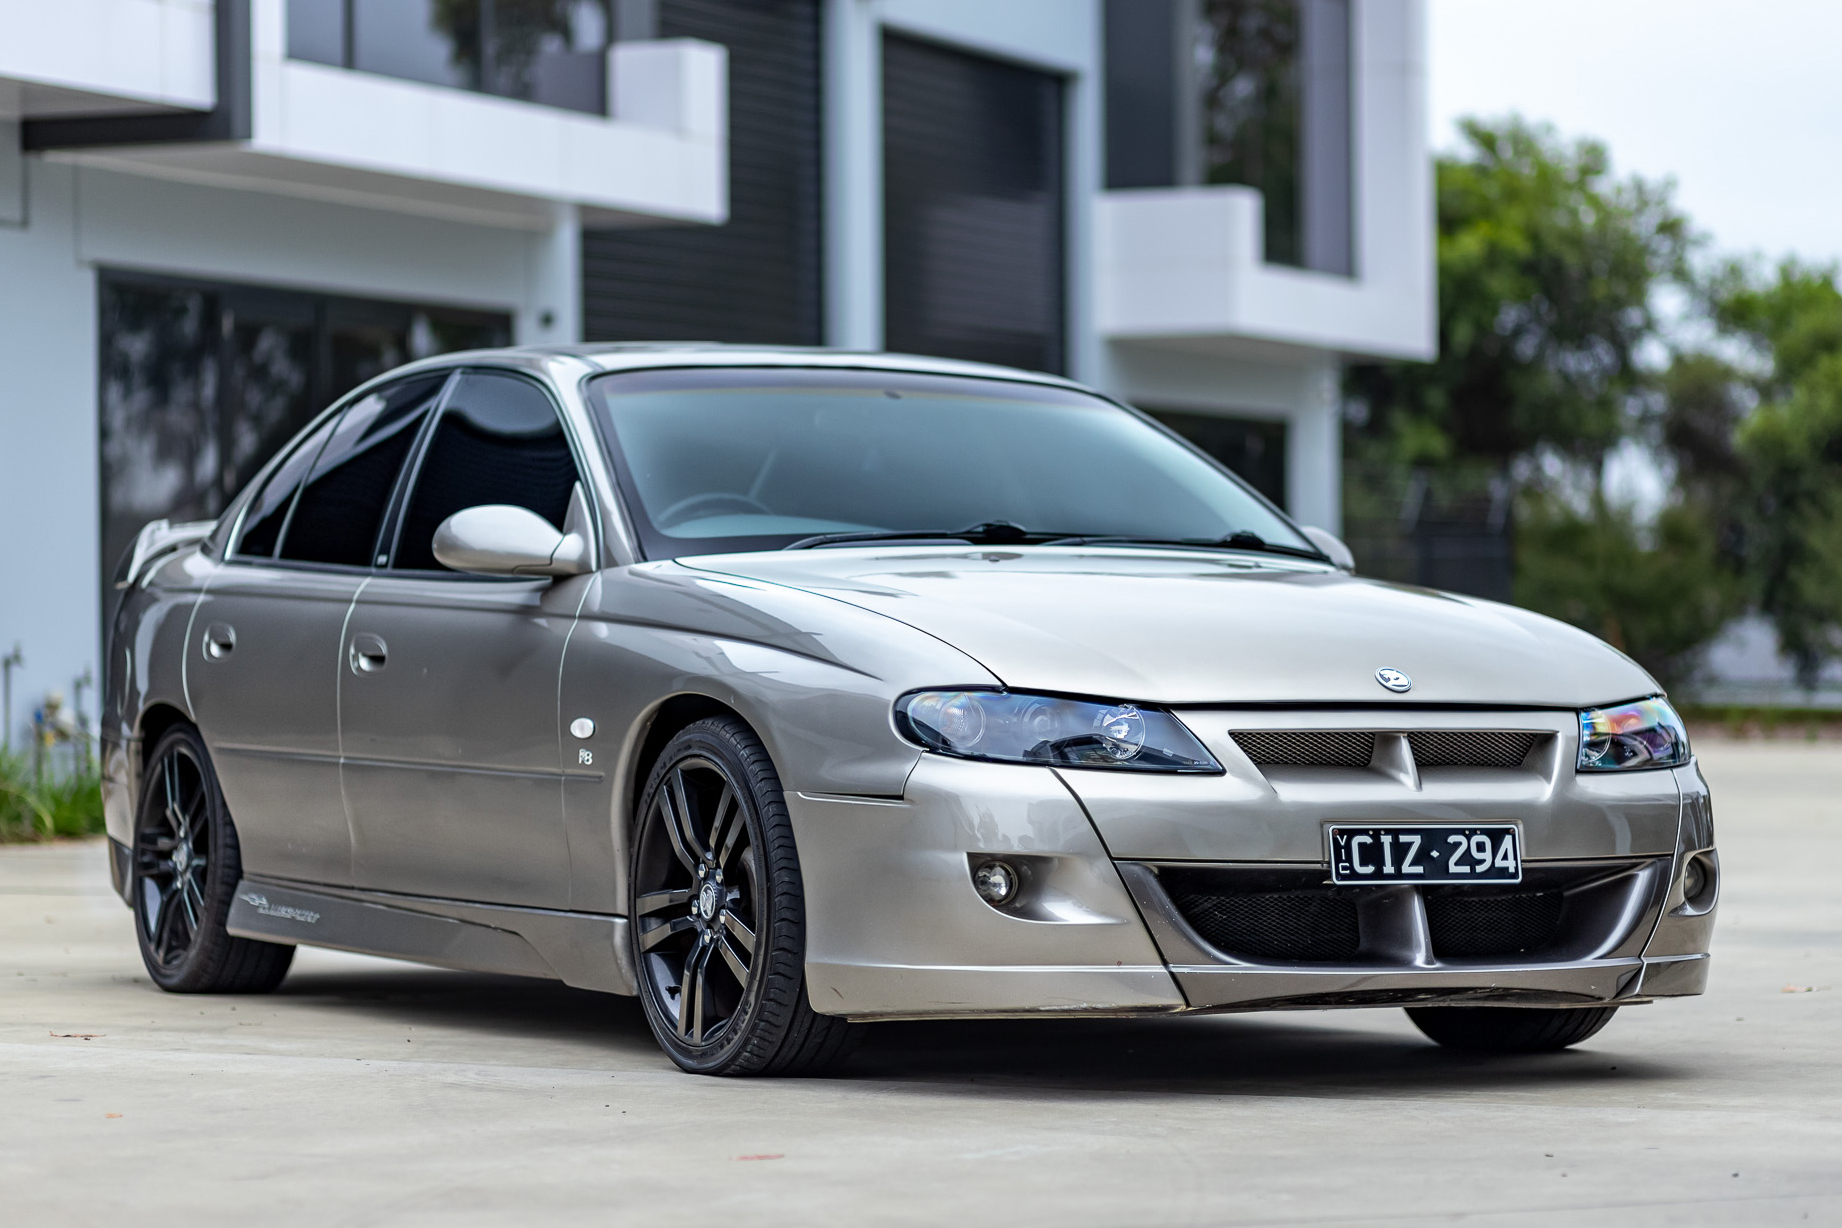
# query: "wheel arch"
[667,720]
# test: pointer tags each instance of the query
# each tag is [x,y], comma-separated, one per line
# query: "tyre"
[185,870]
[718,926]
[1509,1029]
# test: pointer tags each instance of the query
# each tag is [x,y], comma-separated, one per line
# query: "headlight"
[1645,734]
[1008,728]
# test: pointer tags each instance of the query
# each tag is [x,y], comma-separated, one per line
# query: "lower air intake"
[1306,926]
[1466,923]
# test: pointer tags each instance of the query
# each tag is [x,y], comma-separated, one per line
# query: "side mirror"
[498,539]
[1331,545]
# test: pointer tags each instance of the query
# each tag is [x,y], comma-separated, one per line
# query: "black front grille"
[1307,748]
[1308,926]
[1466,922]
[1470,748]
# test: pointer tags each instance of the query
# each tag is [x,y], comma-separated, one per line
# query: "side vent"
[1307,749]
[1355,748]
[1470,748]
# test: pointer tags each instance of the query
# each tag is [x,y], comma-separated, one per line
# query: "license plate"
[1481,853]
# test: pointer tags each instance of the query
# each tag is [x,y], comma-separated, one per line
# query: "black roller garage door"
[757,278]
[972,207]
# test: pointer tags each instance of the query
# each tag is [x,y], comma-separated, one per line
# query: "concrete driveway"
[370,1092]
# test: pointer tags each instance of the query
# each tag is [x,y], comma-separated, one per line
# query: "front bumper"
[895,928]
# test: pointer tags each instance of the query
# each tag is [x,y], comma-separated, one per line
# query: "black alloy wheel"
[186,865]
[718,924]
[1509,1029]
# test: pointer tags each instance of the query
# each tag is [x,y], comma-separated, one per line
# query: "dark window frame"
[236,514]
[480,77]
[389,536]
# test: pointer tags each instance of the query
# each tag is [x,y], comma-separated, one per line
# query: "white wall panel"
[147,51]
[48,446]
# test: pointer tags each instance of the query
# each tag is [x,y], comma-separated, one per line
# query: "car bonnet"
[1206,627]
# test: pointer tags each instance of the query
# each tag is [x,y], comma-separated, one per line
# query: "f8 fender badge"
[1394,679]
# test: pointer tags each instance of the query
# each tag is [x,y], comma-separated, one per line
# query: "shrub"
[64,801]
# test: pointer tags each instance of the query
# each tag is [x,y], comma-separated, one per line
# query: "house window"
[1254,92]
[202,382]
[552,52]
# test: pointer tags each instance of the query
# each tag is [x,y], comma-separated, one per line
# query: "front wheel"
[718,925]
[1509,1029]
[185,871]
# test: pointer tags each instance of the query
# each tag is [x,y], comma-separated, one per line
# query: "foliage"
[1788,452]
[518,29]
[59,803]
[1657,593]
[1248,74]
[1547,269]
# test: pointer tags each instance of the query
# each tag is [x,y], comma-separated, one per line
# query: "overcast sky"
[1741,102]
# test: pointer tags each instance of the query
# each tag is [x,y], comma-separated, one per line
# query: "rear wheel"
[719,927]
[1509,1029]
[185,871]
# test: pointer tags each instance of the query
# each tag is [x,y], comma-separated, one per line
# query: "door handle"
[220,639]
[368,654]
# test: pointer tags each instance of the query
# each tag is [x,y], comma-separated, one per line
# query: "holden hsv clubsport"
[792,690]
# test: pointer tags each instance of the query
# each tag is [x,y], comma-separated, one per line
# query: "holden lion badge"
[1394,680]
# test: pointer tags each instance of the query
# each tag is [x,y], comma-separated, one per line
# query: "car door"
[448,702]
[263,667]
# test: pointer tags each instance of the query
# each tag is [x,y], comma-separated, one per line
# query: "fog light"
[1694,880]
[995,882]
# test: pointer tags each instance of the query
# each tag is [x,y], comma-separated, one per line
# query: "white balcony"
[332,134]
[1184,267]
[84,57]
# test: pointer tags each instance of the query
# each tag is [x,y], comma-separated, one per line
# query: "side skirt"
[584,950]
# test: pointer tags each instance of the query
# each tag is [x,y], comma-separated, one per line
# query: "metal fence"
[1440,529]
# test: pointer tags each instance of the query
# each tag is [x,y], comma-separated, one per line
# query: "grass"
[64,802]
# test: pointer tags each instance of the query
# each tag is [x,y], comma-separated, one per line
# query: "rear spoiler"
[155,540]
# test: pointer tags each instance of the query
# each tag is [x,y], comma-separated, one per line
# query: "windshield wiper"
[1234,541]
[986,533]
[1004,533]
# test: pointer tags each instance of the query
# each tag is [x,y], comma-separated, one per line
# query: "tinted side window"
[342,505]
[268,512]
[498,441]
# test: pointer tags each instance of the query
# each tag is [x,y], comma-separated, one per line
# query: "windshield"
[736,459]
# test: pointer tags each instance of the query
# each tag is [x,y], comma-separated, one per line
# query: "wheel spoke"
[742,933]
[163,928]
[728,827]
[675,830]
[194,893]
[692,995]
[659,933]
[687,829]
[185,901]
[736,963]
[169,777]
[653,901]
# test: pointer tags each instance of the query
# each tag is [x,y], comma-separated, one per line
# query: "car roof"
[639,355]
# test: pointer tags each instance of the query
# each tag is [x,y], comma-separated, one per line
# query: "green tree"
[1548,266]
[1789,451]
[1549,269]
[1658,592]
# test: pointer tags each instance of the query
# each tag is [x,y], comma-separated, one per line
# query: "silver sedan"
[792,690]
